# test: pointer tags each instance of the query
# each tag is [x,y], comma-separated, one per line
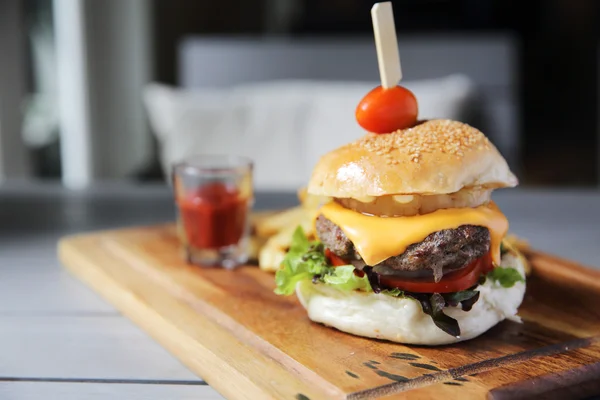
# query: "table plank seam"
[104,380]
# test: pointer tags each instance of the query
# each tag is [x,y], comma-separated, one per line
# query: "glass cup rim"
[235,164]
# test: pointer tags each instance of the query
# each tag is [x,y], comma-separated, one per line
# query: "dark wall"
[174,19]
[559,62]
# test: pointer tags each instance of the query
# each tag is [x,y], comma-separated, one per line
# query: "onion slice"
[407,205]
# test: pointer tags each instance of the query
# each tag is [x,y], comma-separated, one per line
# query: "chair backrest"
[490,61]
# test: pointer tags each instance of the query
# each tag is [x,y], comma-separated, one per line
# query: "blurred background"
[96,90]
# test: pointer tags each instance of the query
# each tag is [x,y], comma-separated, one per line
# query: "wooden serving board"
[248,343]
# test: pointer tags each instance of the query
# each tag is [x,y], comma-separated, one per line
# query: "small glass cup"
[214,195]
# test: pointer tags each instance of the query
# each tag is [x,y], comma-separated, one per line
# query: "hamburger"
[409,246]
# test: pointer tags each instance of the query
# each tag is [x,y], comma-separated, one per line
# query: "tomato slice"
[387,110]
[452,282]
[335,260]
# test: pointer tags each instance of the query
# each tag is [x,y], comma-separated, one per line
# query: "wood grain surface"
[248,343]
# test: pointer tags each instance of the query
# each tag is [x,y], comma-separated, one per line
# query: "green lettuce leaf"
[343,278]
[506,277]
[394,292]
[306,260]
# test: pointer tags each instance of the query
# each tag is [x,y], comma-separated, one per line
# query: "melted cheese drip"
[377,239]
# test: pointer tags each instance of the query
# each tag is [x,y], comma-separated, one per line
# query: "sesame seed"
[441,136]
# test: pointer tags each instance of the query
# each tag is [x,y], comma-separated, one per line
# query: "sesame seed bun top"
[433,157]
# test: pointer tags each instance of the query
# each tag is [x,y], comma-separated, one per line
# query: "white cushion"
[284,126]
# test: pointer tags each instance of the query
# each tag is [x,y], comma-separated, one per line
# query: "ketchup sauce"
[213,216]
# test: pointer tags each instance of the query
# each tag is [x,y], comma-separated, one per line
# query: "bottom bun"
[402,320]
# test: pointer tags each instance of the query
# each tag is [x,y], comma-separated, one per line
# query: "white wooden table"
[59,340]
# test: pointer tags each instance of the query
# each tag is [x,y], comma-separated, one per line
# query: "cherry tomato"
[452,282]
[387,110]
[335,260]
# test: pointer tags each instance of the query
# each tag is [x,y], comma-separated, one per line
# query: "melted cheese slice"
[378,238]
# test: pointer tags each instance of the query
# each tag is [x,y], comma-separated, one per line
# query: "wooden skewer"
[386,43]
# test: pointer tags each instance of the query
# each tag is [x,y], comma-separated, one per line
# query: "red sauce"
[214,216]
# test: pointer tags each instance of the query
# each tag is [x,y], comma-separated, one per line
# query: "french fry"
[310,201]
[515,245]
[302,194]
[256,217]
[270,258]
[516,242]
[273,224]
[255,244]
[272,253]
[272,231]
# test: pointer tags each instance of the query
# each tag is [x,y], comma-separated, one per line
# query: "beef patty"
[440,252]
